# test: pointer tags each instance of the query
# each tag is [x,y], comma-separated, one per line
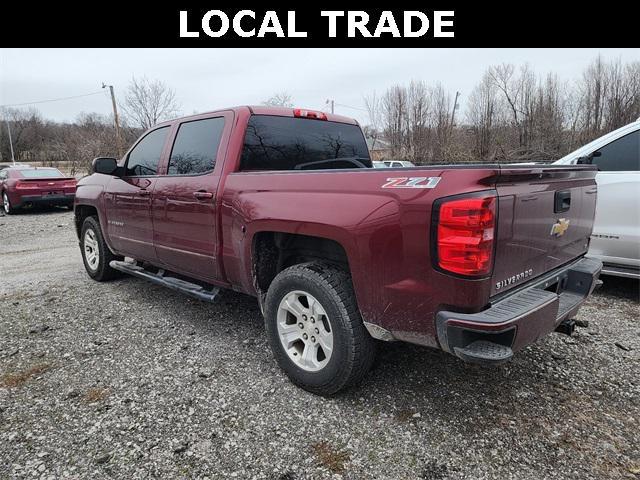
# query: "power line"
[349,106]
[51,100]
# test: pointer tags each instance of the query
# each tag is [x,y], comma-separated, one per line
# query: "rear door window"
[289,143]
[143,160]
[621,155]
[196,146]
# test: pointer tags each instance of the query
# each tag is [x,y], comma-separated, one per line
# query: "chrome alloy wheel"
[305,331]
[91,249]
[5,203]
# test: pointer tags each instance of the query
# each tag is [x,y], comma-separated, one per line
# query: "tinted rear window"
[196,145]
[284,143]
[38,173]
[621,155]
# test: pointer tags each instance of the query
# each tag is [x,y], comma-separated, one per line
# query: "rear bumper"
[519,319]
[64,199]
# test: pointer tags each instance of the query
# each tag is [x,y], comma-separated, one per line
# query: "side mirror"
[104,165]
[588,160]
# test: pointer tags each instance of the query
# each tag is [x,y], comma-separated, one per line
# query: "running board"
[188,288]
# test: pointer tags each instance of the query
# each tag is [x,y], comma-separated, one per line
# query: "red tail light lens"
[299,112]
[465,235]
[25,185]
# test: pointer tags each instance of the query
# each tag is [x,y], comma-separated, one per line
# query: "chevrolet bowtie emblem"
[558,228]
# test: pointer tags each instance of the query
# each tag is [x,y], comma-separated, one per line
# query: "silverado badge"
[558,228]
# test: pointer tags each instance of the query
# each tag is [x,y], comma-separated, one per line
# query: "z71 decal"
[411,182]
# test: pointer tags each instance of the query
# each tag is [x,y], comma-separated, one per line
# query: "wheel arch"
[273,251]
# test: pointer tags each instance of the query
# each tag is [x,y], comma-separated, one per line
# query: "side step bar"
[188,288]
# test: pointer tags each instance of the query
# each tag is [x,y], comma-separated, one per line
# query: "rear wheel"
[6,204]
[315,329]
[95,252]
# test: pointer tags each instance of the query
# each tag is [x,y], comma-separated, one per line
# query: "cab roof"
[267,110]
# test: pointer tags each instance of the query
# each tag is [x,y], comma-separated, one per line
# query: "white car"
[616,232]
[398,163]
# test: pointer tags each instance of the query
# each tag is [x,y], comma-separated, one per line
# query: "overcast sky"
[207,79]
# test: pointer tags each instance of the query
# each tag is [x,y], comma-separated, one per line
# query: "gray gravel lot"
[129,380]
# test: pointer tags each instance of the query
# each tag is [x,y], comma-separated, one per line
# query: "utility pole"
[115,117]
[330,102]
[453,113]
[6,119]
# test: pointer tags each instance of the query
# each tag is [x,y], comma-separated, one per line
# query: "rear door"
[545,219]
[184,199]
[616,231]
[128,198]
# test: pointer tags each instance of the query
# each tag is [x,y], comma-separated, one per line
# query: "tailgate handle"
[563,201]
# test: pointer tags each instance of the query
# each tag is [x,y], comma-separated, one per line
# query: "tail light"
[465,235]
[300,113]
[69,183]
[25,185]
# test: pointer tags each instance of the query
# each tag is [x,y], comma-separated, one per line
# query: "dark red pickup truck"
[283,204]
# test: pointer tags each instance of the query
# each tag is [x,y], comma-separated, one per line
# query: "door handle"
[143,192]
[200,195]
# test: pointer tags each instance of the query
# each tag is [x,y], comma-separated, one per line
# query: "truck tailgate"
[545,219]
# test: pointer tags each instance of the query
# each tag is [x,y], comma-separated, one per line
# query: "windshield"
[41,173]
[285,143]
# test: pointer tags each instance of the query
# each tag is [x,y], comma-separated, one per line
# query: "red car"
[23,186]
[477,260]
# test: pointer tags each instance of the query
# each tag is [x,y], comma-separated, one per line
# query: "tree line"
[72,145]
[512,114]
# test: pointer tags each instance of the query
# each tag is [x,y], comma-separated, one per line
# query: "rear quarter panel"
[385,233]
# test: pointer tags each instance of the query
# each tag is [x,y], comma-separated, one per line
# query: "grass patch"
[331,458]
[96,394]
[17,379]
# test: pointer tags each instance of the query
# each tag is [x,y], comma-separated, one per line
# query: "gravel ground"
[129,380]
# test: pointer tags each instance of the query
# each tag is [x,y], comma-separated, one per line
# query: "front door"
[128,198]
[184,200]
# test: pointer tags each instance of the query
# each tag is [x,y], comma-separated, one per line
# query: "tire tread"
[337,283]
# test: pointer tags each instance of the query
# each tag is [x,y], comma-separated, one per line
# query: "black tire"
[102,271]
[353,347]
[6,205]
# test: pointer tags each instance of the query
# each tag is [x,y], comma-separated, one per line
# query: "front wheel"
[315,329]
[6,204]
[95,252]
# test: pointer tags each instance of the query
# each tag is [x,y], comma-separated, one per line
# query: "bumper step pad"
[482,351]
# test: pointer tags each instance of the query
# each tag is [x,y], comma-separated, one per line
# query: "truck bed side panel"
[385,233]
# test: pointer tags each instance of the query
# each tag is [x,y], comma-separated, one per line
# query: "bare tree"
[482,115]
[148,102]
[27,133]
[373,105]
[280,99]
[442,126]
[622,105]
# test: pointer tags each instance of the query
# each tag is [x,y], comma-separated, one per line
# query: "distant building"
[379,148]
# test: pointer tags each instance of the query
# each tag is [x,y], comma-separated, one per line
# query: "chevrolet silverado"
[283,204]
